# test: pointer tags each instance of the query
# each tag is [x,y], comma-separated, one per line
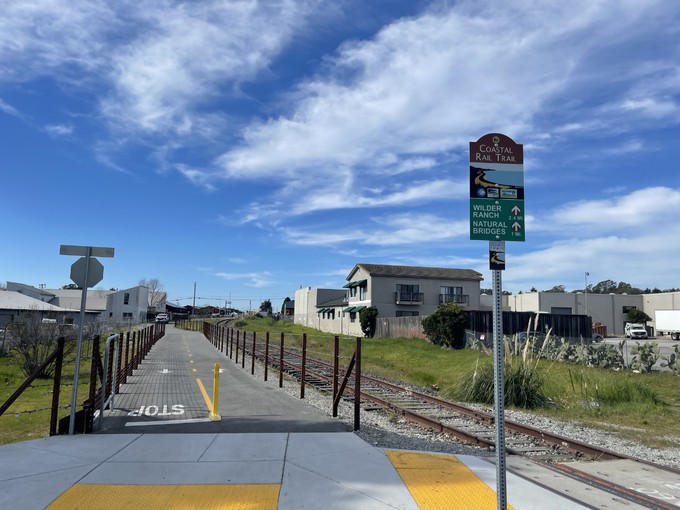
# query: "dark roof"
[418,272]
[341,301]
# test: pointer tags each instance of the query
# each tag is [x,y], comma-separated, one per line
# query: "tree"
[34,341]
[266,306]
[557,288]
[70,286]
[156,291]
[604,287]
[283,306]
[446,326]
[638,316]
[367,318]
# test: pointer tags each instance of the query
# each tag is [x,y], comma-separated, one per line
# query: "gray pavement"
[157,449]
[164,395]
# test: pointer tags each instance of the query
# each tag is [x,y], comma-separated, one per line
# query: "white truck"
[668,321]
[633,330]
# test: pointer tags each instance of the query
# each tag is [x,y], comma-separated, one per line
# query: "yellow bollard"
[214,416]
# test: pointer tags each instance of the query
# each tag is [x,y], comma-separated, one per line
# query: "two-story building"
[396,291]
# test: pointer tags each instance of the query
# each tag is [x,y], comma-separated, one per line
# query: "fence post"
[266,355]
[243,352]
[231,343]
[127,352]
[120,363]
[238,339]
[58,363]
[336,363]
[304,363]
[252,357]
[357,385]
[281,362]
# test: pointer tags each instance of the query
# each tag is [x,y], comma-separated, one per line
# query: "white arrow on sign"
[516,211]
[516,227]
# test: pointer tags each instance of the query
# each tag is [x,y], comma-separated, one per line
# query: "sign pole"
[79,346]
[499,385]
[497,215]
[85,272]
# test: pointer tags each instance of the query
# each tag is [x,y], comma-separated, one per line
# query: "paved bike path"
[172,392]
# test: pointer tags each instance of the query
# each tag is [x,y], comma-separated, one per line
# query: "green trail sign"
[496,189]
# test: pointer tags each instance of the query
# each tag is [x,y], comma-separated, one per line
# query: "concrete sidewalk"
[158,449]
[284,471]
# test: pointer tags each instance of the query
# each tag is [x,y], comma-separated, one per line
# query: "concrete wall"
[661,301]
[135,310]
[307,301]
[607,309]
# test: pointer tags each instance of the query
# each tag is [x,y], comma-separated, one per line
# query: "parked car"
[633,330]
[162,317]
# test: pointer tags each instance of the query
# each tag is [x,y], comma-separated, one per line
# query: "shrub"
[523,386]
[446,326]
[367,318]
[33,342]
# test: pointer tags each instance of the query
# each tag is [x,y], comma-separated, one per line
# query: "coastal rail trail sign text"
[496,189]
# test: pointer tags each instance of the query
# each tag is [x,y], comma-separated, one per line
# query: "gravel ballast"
[384,431]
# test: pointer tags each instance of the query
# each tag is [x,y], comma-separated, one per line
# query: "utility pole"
[586,293]
[193,308]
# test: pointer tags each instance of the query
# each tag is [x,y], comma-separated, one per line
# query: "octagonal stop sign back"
[95,274]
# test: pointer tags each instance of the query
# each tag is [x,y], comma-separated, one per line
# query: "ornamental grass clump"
[524,386]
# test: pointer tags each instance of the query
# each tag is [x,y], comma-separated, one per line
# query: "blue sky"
[256,147]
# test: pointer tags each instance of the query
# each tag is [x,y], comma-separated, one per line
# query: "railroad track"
[472,426]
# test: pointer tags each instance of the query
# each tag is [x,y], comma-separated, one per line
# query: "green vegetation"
[29,416]
[640,406]
[367,318]
[446,326]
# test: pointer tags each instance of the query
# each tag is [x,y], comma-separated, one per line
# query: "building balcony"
[408,298]
[459,299]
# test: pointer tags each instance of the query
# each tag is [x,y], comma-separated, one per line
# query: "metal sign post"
[82,276]
[499,385]
[497,215]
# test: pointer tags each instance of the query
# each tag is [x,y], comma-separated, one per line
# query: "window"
[408,293]
[126,298]
[127,315]
[352,292]
[362,292]
[402,313]
[451,295]
[560,310]
[352,316]
[407,288]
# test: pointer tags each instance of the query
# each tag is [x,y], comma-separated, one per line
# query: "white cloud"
[61,37]
[9,109]
[639,258]
[647,208]
[59,129]
[258,280]
[393,230]
[427,84]
[190,54]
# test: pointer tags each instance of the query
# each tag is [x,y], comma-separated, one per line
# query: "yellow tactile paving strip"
[442,482]
[167,497]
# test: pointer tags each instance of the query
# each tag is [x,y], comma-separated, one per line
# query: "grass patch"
[643,407]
